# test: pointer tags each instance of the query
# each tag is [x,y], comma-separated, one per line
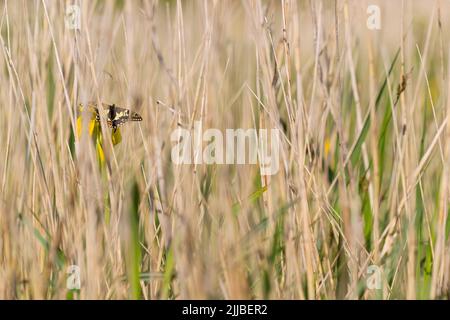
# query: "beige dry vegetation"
[365,159]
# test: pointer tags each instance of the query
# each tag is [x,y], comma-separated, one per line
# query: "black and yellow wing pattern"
[115,116]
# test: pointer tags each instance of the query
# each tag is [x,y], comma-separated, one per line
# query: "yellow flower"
[95,132]
[327,146]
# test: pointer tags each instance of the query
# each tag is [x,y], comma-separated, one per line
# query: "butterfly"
[116,116]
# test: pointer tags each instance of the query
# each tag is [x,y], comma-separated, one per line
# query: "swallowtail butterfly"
[115,116]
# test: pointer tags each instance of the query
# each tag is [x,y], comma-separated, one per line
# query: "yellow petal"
[100,153]
[92,125]
[327,146]
[79,127]
[116,136]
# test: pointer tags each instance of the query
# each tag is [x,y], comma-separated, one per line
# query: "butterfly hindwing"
[135,116]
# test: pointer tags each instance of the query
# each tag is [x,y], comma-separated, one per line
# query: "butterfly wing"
[118,116]
[135,116]
[121,116]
